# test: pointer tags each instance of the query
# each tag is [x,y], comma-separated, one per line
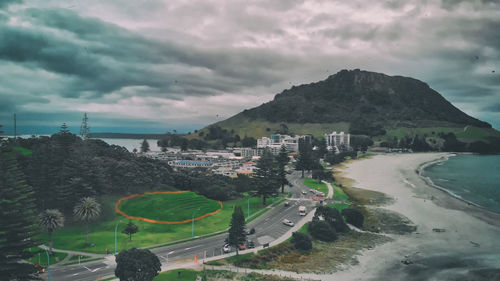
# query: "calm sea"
[474,178]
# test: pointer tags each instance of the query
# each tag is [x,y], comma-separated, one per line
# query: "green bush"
[301,241]
[354,217]
[322,231]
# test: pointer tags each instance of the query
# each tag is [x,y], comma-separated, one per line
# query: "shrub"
[354,217]
[301,241]
[321,230]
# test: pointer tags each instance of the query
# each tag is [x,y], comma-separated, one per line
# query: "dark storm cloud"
[5,3]
[106,58]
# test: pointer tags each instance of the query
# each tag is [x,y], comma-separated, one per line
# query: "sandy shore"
[466,248]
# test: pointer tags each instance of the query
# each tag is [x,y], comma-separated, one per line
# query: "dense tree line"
[63,168]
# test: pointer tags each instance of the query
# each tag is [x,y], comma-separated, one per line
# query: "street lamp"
[48,263]
[192,223]
[116,229]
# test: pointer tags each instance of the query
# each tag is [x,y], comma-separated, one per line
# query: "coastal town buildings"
[276,141]
[336,140]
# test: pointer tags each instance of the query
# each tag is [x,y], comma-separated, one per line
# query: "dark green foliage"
[321,174]
[64,168]
[130,229]
[137,264]
[362,143]
[237,233]
[451,143]
[145,146]
[332,216]
[419,144]
[334,159]
[354,217]
[17,220]
[322,230]
[301,241]
[266,177]
[248,142]
[304,160]
[282,159]
[381,100]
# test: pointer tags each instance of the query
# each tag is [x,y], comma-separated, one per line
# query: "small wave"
[443,180]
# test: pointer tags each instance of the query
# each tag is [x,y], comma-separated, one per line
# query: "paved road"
[268,228]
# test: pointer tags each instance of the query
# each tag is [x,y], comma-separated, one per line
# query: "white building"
[276,141]
[334,140]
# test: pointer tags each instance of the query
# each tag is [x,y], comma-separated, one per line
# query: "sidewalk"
[330,190]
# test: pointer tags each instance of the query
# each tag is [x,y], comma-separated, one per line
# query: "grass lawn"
[24,151]
[313,184]
[41,257]
[169,207]
[101,233]
[186,275]
[339,194]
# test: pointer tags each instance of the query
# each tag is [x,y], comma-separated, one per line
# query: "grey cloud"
[5,3]
[492,108]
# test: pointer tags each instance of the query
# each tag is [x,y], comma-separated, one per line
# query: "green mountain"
[363,103]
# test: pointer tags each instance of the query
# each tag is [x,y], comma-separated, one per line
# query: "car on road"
[250,244]
[304,192]
[242,247]
[226,249]
[287,204]
[288,222]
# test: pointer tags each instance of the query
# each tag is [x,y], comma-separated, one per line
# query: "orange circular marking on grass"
[156,221]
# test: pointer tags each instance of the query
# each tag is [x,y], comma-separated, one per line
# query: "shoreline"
[449,229]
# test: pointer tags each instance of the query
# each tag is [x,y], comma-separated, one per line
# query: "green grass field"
[24,151]
[186,275]
[41,257]
[339,194]
[169,207]
[101,233]
[313,184]
[463,133]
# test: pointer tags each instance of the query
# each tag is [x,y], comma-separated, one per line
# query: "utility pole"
[15,127]
[84,128]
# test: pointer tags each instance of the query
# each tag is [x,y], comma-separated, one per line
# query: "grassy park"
[314,184]
[41,257]
[102,232]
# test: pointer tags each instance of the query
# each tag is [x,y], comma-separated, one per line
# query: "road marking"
[92,270]
[76,274]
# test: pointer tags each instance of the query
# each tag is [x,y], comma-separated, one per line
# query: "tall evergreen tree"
[50,220]
[17,221]
[282,160]
[304,160]
[145,146]
[266,176]
[237,234]
[86,211]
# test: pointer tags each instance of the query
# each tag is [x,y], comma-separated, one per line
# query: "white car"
[288,222]
[304,192]
[226,249]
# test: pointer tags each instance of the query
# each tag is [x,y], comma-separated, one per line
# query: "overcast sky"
[155,65]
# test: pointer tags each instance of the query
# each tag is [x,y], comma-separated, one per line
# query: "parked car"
[251,231]
[226,249]
[242,247]
[250,244]
[287,204]
[304,192]
[288,222]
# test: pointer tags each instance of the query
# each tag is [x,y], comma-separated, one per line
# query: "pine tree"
[17,221]
[304,160]
[266,176]
[282,160]
[144,146]
[130,229]
[237,234]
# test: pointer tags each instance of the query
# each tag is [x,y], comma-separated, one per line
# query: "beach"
[454,240]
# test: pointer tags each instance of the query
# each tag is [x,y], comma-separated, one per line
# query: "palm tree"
[87,210]
[51,219]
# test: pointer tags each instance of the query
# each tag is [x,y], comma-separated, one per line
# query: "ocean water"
[474,178]
[130,144]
